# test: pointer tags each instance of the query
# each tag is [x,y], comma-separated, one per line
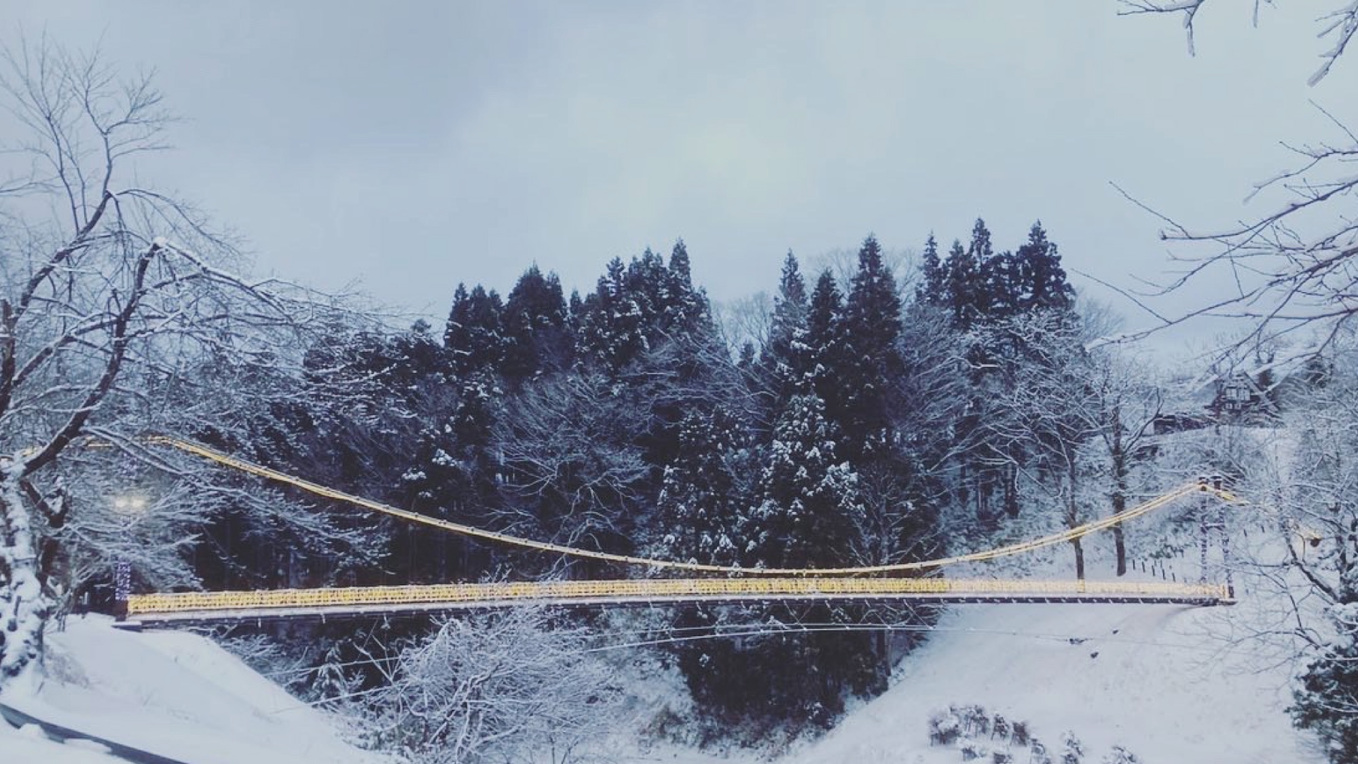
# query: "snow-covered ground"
[1149,677]
[177,695]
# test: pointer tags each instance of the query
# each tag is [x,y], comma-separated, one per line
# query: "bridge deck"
[152,609]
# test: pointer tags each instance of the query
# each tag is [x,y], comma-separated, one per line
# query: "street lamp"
[131,506]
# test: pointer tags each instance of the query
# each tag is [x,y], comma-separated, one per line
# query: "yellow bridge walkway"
[152,609]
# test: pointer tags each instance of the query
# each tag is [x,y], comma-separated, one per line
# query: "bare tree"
[1292,269]
[573,469]
[1337,26]
[506,687]
[1050,407]
[116,301]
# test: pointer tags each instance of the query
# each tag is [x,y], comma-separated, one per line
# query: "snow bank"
[174,694]
[1157,679]
[1148,677]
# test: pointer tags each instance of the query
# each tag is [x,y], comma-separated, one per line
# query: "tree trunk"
[1118,452]
[24,607]
[1072,521]
[883,678]
[1011,503]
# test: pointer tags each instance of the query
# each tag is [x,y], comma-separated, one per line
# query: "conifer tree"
[981,254]
[703,493]
[786,358]
[961,279]
[808,518]
[825,341]
[871,328]
[686,310]
[537,337]
[932,286]
[612,320]
[807,514]
[1042,284]
[475,336]
[1327,701]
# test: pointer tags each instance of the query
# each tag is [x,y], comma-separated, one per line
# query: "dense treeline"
[868,428]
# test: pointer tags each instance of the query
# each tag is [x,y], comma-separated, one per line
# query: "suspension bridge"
[898,582]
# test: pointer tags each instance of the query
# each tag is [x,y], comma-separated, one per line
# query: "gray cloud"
[424,144]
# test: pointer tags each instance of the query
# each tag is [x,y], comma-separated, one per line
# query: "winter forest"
[903,402]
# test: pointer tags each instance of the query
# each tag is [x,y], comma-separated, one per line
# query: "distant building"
[1243,398]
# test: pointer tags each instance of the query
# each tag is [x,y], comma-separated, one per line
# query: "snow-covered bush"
[1120,755]
[944,728]
[1327,700]
[1020,734]
[975,720]
[1000,727]
[496,687]
[972,750]
[1073,751]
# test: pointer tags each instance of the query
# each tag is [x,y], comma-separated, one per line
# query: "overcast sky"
[412,146]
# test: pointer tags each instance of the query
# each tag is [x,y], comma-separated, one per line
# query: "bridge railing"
[661,589]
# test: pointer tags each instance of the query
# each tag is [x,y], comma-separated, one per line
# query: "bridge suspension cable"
[317,489]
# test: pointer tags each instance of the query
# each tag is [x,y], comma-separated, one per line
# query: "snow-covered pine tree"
[961,282]
[686,310]
[825,341]
[474,335]
[1042,284]
[1327,701]
[1072,750]
[611,320]
[806,516]
[786,358]
[932,289]
[871,362]
[1120,755]
[703,492]
[537,334]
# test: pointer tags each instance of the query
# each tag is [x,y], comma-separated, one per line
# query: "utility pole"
[1202,527]
[1225,537]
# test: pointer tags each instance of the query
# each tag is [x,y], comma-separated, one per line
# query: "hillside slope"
[1156,679]
[177,695]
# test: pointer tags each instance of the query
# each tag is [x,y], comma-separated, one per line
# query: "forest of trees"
[870,427]
[871,424]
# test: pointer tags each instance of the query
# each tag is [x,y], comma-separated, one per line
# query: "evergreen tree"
[871,328]
[536,331]
[475,336]
[612,321]
[686,310]
[703,492]
[1002,278]
[1040,282]
[981,254]
[1327,701]
[961,281]
[932,289]
[808,513]
[809,518]
[825,341]
[785,358]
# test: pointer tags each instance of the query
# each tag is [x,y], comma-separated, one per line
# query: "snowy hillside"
[172,694]
[1145,677]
